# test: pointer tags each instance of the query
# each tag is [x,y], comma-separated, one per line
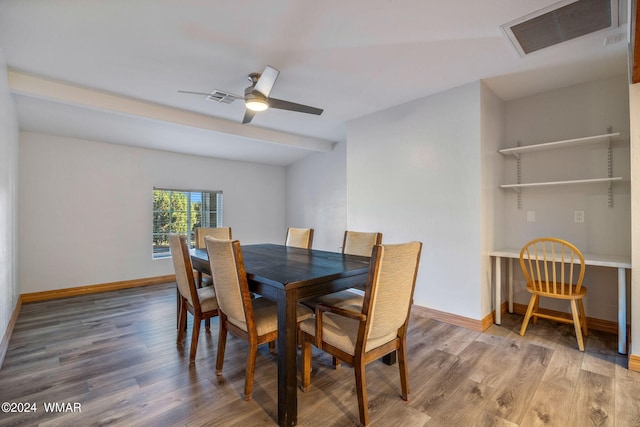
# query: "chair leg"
[272,347]
[336,362]
[361,388]
[306,365]
[583,318]
[207,324]
[251,368]
[182,319]
[222,342]
[178,307]
[404,370]
[577,325]
[527,316]
[194,337]
[536,309]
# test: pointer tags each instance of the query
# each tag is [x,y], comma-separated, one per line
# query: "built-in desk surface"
[621,262]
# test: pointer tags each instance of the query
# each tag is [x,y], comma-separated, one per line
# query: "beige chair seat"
[342,332]
[265,315]
[207,297]
[346,299]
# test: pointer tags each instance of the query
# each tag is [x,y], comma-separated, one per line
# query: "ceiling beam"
[39,87]
[635,42]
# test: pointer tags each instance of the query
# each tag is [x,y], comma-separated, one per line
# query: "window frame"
[162,227]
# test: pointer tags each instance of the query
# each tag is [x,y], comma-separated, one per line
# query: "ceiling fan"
[256,97]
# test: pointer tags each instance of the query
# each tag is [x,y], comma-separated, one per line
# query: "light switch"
[578,217]
[531,216]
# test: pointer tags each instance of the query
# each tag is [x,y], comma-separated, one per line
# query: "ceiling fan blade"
[248,116]
[292,106]
[195,93]
[267,80]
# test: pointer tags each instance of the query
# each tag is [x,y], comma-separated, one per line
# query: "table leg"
[498,273]
[510,294]
[622,310]
[287,355]
[390,358]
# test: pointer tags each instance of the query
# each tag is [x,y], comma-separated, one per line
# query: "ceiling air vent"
[221,96]
[561,22]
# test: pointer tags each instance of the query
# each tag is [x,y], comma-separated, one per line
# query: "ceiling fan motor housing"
[254,100]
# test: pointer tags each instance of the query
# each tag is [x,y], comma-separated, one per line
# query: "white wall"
[316,197]
[492,201]
[90,203]
[9,291]
[572,112]
[414,173]
[430,170]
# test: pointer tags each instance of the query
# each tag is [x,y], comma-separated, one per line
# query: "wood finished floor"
[115,353]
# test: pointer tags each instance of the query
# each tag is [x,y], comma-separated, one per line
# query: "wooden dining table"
[286,275]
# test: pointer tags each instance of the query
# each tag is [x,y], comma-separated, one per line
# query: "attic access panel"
[561,22]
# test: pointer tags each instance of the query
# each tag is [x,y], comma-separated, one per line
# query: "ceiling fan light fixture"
[256,104]
[255,101]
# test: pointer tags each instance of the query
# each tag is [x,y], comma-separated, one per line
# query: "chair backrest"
[389,292]
[184,269]
[360,243]
[552,265]
[230,282]
[299,237]
[222,233]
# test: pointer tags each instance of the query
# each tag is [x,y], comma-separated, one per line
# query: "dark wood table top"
[286,267]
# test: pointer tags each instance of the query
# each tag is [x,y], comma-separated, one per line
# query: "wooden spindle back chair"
[554,268]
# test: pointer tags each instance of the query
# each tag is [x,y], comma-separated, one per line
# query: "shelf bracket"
[609,173]
[519,179]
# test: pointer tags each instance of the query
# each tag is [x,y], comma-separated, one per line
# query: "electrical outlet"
[578,217]
[531,216]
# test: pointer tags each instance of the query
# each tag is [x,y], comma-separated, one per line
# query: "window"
[180,211]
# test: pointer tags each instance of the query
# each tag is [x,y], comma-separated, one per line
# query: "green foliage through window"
[176,211]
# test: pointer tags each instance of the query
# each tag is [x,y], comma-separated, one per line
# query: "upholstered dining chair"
[253,320]
[360,243]
[200,302]
[223,233]
[380,327]
[299,237]
[554,268]
[353,243]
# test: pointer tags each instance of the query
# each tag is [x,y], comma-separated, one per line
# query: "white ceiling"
[351,58]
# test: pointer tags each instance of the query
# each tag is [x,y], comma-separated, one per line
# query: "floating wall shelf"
[559,144]
[517,151]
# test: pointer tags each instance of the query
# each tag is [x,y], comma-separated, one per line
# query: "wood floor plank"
[444,384]
[593,404]
[116,354]
[513,396]
[503,352]
[464,406]
[558,384]
[627,402]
